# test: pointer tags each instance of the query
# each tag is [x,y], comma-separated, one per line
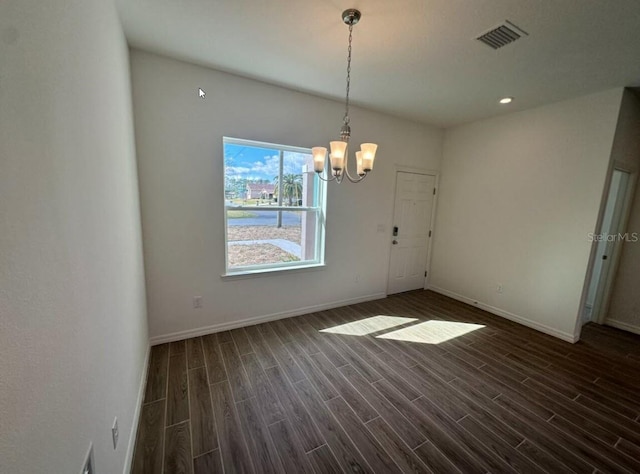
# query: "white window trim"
[269,146]
[273,208]
[243,275]
[253,271]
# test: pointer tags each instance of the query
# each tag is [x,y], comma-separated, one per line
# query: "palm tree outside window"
[291,188]
[274,207]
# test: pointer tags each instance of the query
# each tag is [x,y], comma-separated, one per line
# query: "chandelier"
[339,156]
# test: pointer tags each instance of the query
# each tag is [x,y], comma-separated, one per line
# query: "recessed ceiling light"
[506,100]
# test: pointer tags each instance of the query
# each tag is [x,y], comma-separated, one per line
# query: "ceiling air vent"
[502,35]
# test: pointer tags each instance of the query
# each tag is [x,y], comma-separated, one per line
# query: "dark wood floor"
[285,397]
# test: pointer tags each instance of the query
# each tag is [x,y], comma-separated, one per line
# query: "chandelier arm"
[328,172]
[346,169]
[354,180]
[326,179]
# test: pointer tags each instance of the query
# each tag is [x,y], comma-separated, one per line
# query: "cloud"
[293,162]
[269,166]
[235,170]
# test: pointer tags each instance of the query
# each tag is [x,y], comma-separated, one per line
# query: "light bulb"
[368,155]
[319,154]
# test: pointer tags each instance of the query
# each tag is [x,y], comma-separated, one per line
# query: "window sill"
[242,275]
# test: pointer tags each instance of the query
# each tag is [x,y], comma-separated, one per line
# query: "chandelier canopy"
[339,155]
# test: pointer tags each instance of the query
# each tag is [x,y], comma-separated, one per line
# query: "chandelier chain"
[346,112]
[335,165]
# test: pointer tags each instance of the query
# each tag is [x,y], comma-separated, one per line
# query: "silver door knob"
[395,242]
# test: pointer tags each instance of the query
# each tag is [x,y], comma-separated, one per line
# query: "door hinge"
[434,191]
[425,274]
[429,233]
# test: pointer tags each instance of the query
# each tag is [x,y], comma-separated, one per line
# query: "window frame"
[320,211]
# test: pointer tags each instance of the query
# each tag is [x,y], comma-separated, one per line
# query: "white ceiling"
[412,58]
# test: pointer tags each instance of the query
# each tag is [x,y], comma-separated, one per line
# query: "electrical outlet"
[197,302]
[115,433]
[500,288]
[89,464]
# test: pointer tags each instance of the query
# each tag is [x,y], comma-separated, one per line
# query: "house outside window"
[274,207]
[260,191]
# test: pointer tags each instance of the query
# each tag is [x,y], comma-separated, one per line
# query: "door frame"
[617,247]
[615,258]
[415,170]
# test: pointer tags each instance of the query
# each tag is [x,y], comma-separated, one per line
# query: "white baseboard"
[178,336]
[136,414]
[621,325]
[507,315]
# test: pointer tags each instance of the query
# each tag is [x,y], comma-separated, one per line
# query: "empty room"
[242,236]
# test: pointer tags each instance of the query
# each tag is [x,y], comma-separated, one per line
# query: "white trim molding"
[622,325]
[414,169]
[178,336]
[565,336]
[128,460]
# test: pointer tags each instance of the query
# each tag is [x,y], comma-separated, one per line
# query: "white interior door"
[411,226]
[613,223]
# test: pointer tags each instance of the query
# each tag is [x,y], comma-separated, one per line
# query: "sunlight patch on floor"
[432,332]
[370,325]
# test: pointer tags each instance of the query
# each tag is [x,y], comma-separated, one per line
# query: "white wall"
[518,196]
[179,146]
[73,334]
[624,307]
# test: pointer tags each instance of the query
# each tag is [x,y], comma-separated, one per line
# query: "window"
[274,207]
